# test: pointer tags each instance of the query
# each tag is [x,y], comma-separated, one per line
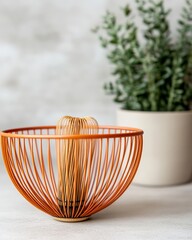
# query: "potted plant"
[153,84]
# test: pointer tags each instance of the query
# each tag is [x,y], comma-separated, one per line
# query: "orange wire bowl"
[107,163]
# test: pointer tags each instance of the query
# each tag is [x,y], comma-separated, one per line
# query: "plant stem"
[151,82]
[171,92]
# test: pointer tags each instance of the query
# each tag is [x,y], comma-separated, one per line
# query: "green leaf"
[127,10]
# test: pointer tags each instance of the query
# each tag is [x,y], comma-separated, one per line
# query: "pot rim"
[189,112]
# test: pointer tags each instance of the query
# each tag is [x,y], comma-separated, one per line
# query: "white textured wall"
[50,62]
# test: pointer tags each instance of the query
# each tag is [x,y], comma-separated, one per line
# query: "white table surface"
[141,213]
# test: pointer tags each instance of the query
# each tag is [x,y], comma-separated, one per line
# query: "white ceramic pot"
[167,151]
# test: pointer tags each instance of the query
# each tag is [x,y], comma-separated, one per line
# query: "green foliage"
[156,75]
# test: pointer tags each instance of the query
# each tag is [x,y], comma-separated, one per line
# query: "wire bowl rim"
[11,133]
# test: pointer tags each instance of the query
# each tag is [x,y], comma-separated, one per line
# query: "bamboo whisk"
[70,159]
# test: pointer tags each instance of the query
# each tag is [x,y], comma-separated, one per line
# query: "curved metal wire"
[99,169]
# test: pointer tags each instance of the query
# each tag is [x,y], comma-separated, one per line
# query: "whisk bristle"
[71,154]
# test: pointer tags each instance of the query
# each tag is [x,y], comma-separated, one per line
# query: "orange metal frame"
[100,167]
